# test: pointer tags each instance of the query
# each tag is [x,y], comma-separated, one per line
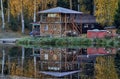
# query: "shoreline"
[69,41]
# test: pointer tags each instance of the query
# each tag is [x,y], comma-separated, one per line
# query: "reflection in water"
[58,63]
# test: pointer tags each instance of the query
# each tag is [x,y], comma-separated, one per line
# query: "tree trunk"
[34,11]
[3,61]
[78,5]
[22,17]
[3,19]
[8,11]
[70,4]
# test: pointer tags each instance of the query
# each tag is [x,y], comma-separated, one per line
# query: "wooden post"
[80,24]
[60,24]
[65,25]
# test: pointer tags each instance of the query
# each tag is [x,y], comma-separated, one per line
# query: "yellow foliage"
[104,68]
[28,6]
[105,11]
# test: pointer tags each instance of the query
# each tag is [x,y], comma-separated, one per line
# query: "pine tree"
[117,17]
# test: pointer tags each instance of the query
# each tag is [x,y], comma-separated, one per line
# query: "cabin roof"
[60,10]
[110,27]
[59,74]
[85,18]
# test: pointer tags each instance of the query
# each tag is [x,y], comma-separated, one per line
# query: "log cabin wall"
[55,26]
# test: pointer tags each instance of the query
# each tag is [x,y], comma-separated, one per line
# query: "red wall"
[96,34]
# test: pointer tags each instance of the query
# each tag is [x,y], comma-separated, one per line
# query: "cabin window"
[54,27]
[53,15]
[92,26]
[46,27]
[86,26]
[46,56]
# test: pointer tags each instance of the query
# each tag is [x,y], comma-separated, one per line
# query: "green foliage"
[117,62]
[69,41]
[15,51]
[13,25]
[86,6]
[117,17]
[63,3]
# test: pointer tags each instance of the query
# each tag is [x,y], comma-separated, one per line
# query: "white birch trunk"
[34,11]
[78,5]
[23,56]
[3,19]
[8,11]
[3,61]
[22,17]
[70,4]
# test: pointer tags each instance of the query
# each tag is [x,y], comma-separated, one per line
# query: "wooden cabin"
[64,22]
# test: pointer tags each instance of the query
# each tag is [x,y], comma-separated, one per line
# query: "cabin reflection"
[57,61]
[64,63]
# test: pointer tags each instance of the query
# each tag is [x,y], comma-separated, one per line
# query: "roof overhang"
[60,10]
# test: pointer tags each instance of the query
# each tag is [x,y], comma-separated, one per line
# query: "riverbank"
[68,41]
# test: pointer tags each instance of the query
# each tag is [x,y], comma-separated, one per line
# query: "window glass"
[46,56]
[53,15]
[46,27]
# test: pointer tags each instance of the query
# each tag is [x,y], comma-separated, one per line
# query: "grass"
[68,41]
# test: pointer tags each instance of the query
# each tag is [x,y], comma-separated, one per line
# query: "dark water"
[17,62]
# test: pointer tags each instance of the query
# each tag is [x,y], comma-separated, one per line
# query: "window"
[53,15]
[86,26]
[54,27]
[46,56]
[92,26]
[46,27]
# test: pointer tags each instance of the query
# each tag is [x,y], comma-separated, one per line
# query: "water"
[18,62]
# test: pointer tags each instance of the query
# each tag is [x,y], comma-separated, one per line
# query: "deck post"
[65,25]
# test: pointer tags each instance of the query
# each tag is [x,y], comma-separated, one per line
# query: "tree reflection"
[117,62]
[105,68]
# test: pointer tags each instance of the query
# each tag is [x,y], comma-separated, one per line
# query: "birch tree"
[3,19]
[22,17]
[105,11]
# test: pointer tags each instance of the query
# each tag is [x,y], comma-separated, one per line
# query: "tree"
[3,19]
[105,11]
[86,6]
[117,16]
[117,62]
[105,68]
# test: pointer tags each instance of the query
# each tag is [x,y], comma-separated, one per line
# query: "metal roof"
[60,10]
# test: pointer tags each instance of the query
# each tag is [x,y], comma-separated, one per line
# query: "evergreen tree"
[86,6]
[117,16]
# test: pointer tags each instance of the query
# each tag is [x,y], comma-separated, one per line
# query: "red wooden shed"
[96,33]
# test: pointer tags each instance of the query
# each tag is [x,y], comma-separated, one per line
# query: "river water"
[19,62]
